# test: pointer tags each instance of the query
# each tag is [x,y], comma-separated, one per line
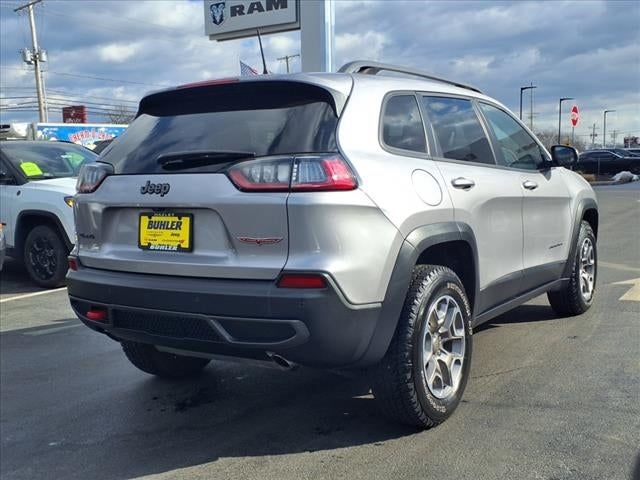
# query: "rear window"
[265,118]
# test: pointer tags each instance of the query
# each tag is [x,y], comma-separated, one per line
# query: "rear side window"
[402,124]
[263,118]
[458,130]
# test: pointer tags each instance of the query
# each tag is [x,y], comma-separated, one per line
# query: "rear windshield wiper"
[202,158]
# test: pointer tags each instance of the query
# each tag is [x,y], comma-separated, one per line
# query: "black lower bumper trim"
[227,317]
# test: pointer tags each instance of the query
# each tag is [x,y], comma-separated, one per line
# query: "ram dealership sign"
[228,19]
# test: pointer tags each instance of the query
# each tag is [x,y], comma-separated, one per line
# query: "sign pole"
[317,18]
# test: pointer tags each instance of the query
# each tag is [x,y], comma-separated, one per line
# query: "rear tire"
[45,257]
[167,365]
[422,377]
[577,297]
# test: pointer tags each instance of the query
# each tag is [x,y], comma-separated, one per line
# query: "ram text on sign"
[228,19]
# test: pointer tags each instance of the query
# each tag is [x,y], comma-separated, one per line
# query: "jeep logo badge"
[155,188]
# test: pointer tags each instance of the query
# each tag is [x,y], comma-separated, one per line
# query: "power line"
[71,94]
[67,101]
[93,78]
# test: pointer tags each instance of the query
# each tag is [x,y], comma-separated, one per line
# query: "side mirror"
[564,156]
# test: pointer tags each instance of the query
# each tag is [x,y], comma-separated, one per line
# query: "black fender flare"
[413,246]
[583,205]
[38,213]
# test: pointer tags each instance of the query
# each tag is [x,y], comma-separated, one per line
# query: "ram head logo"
[217,12]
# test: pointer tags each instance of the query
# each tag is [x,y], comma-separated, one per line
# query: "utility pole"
[522,89]
[286,58]
[593,136]
[604,128]
[560,115]
[613,137]
[35,57]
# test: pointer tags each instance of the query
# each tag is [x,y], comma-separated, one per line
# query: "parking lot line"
[29,295]
[46,331]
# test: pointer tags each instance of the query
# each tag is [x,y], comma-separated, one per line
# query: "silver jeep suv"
[342,220]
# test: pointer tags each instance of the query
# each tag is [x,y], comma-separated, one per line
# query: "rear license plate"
[168,232]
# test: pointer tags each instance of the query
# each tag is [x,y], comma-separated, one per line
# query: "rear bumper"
[244,318]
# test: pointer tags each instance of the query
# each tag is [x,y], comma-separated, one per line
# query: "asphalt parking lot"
[548,398]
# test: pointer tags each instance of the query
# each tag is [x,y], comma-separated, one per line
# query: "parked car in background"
[100,145]
[37,184]
[632,151]
[608,162]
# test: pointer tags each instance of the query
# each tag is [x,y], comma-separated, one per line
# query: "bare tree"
[549,137]
[121,114]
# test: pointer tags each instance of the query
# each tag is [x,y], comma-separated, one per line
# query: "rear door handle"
[529,184]
[463,183]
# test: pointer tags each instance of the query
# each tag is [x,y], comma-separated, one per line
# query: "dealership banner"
[83,134]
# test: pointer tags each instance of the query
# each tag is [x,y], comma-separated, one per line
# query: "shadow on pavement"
[523,314]
[93,415]
[14,279]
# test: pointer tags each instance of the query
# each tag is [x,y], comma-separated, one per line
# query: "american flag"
[246,70]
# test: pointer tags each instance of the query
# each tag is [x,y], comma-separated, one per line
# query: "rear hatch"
[198,183]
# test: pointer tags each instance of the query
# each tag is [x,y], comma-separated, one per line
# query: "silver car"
[342,220]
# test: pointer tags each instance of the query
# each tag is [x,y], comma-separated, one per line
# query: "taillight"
[91,176]
[73,263]
[264,175]
[301,174]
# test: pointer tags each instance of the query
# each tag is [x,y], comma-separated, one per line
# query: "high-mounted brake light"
[91,176]
[301,280]
[204,83]
[308,173]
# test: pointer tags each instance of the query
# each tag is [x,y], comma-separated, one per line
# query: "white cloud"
[117,52]
[354,46]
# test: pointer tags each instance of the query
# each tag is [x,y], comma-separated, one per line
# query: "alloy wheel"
[443,347]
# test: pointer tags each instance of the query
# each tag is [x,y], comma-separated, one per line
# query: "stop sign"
[574,115]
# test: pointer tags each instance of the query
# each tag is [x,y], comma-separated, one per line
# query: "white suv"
[37,184]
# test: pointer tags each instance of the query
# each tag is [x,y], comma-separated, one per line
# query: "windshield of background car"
[263,118]
[40,160]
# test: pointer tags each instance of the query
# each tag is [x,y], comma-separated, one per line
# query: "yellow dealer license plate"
[169,232]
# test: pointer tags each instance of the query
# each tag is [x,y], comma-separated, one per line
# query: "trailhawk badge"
[260,241]
[217,13]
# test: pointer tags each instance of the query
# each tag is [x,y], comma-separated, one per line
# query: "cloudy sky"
[109,53]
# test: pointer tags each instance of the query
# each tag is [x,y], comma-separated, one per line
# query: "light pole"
[560,114]
[522,89]
[604,128]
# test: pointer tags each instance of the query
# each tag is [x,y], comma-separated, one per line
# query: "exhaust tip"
[281,361]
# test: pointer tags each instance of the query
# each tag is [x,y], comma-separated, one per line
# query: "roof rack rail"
[373,68]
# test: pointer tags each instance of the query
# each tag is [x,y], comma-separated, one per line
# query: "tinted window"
[46,159]
[458,130]
[402,125]
[264,118]
[519,149]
